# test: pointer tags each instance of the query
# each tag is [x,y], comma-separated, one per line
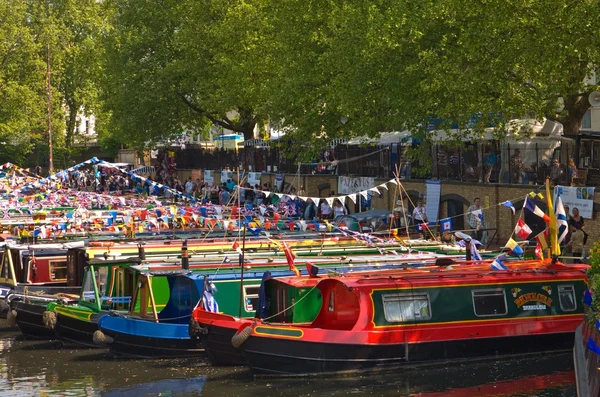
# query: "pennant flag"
[226,261]
[534,195]
[561,220]
[312,270]
[289,256]
[514,247]
[498,264]
[530,205]
[510,205]
[446,224]
[522,230]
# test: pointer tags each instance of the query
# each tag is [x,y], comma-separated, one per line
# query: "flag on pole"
[530,205]
[542,241]
[446,224]
[539,252]
[236,247]
[561,220]
[522,230]
[289,256]
[514,247]
[475,255]
[313,270]
[498,264]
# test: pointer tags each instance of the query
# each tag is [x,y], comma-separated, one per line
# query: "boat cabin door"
[7,274]
[121,289]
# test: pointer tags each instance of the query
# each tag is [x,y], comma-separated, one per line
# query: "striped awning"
[143,170]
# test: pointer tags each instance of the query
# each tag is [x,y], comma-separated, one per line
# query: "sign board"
[209,177]
[349,185]
[432,204]
[279,181]
[254,178]
[225,175]
[581,198]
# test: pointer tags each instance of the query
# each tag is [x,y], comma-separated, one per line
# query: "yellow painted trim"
[281,328]
[483,320]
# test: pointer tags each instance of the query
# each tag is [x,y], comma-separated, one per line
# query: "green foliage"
[593,274]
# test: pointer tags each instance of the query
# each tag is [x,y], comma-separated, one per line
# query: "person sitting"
[576,243]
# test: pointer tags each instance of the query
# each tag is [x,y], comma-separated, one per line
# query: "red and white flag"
[522,230]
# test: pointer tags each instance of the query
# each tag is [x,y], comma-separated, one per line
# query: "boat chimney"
[185,260]
[141,251]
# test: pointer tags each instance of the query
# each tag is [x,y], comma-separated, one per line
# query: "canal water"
[41,368]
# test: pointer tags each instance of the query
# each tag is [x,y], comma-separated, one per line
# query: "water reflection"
[35,368]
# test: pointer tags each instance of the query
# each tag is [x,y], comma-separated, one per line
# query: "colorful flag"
[534,195]
[514,247]
[522,230]
[510,205]
[312,270]
[446,224]
[539,252]
[561,220]
[541,240]
[497,263]
[530,205]
[475,255]
[289,256]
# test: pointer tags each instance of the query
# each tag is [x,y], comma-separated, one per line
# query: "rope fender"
[238,339]
[49,319]
[195,330]
[100,338]
[11,318]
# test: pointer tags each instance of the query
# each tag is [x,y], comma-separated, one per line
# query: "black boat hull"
[78,333]
[30,320]
[218,346]
[148,347]
[272,356]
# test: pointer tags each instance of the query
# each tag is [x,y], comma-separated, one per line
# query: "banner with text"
[432,203]
[349,185]
[581,198]
[209,177]
[254,178]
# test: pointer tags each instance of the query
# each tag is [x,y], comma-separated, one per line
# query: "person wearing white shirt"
[419,215]
[325,209]
[338,209]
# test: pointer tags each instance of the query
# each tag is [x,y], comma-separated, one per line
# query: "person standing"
[338,209]
[419,217]
[310,211]
[516,167]
[325,209]
[555,172]
[475,219]
[576,243]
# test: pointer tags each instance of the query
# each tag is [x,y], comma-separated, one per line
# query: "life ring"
[49,319]
[238,339]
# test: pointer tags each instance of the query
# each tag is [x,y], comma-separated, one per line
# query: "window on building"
[406,307]
[251,297]
[566,297]
[586,123]
[489,302]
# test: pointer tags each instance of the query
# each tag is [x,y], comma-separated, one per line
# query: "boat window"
[101,274]
[58,270]
[251,297]
[566,297]
[406,307]
[489,302]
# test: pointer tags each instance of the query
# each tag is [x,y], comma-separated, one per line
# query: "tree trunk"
[575,106]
